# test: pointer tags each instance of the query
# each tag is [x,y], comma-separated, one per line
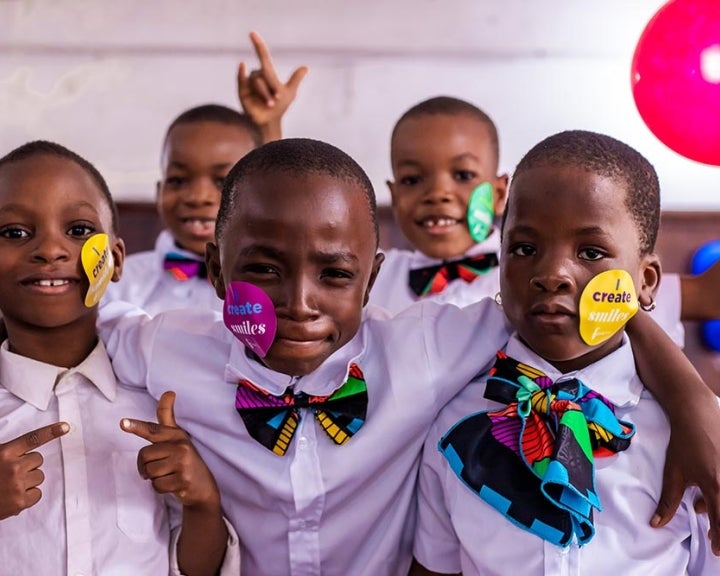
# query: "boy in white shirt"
[95,514]
[511,489]
[200,147]
[297,251]
[446,192]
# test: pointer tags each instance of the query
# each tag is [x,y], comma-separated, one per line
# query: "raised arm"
[700,294]
[263,96]
[693,456]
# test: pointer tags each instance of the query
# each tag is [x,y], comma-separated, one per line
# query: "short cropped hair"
[45,148]
[611,158]
[449,106]
[220,114]
[299,156]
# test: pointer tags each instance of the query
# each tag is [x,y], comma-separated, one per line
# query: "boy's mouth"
[198,226]
[438,223]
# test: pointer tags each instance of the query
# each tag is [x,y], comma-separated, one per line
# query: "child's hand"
[20,473]
[171,461]
[688,455]
[262,95]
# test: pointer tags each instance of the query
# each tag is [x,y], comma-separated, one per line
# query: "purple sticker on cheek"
[250,315]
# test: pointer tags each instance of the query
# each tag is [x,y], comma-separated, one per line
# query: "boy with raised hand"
[311,411]
[95,515]
[515,464]
[200,147]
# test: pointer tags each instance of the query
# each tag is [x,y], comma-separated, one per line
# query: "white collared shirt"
[459,532]
[322,509]
[392,290]
[96,515]
[146,284]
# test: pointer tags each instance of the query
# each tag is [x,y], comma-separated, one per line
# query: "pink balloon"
[676,78]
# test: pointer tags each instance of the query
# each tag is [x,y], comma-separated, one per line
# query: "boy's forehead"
[206,137]
[56,178]
[417,132]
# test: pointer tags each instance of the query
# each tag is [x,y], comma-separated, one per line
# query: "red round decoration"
[676,78]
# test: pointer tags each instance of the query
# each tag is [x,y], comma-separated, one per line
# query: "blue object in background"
[704,257]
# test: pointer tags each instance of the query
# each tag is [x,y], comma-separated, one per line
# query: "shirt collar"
[33,381]
[322,382]
[614,376]
[166,243]
[490,244]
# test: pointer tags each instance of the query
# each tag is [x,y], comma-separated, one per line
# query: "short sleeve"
[436,546]
[231,561]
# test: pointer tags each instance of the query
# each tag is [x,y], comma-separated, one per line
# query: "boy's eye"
[465,175]
[409,180]
[219,182]
[175,181]
[259,269]
[591,254]
[336,274]
[14,233]
[81,230]
[523,250]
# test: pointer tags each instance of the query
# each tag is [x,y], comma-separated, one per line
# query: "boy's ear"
[391,187]
[379,259]
[500,193]
[214,269]
[158,191]
[650,279]
[118,254]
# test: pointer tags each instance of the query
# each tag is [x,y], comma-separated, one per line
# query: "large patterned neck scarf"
[533,460]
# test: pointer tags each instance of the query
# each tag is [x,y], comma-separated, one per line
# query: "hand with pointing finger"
[263,96]
[173,465]
[171,462]
[20,473]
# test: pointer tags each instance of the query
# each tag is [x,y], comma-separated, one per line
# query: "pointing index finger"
[36,438]
[266,64]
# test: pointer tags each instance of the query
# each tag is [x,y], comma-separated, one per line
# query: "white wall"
[106,77]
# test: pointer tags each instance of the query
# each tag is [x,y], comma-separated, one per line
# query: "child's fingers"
[151,431]
[36,438]
[261,88]
[263,55]
[166,410]
[296,78]
[242,79]
[673,488]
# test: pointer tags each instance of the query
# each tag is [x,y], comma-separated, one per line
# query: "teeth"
[51,283]
[432,222]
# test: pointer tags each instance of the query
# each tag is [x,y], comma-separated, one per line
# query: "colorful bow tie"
[272,420]
[184,268]
[533,460]
[433,279]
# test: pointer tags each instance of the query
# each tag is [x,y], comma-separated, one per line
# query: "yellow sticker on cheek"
[98,264]
[606,304]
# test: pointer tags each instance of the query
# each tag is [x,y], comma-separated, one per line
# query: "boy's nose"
[299,301]
[202,191]
[51,248]
[439,190]
[553,275]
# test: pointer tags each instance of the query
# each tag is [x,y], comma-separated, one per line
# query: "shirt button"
[302,443]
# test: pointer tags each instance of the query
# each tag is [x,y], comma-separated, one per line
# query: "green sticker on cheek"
[480,212]
[98,264]
[606,304]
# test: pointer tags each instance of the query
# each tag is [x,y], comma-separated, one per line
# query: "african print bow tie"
[272,420]
[184,268]
[533,460]
[434,279]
